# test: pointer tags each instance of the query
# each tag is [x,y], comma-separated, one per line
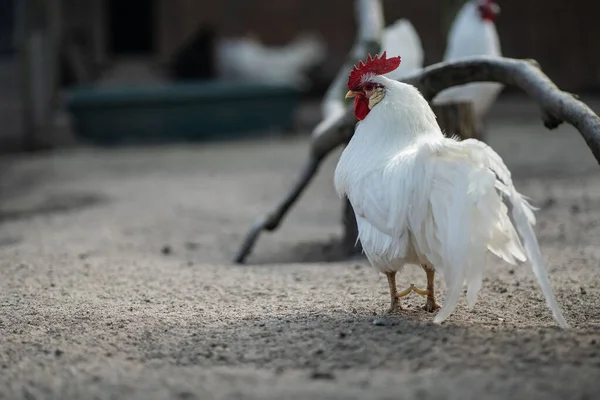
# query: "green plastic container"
[181,111]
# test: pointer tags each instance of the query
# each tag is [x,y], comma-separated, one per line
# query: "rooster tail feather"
[520,214]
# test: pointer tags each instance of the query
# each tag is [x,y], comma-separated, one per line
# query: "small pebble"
[279,370]
[582,290]
[192,245]
[186,395]
[166,250]
[322,375]
[380,322]
[550,201]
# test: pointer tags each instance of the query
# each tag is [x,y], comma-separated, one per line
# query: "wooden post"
[457,119]
[37,67]
[454,119]
[350,243]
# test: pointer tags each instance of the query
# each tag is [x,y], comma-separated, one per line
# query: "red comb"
[378,65]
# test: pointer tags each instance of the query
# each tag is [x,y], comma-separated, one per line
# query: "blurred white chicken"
[249,60]
[473,33]
[401,37]
[424,199]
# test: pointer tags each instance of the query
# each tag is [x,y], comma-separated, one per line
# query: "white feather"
[422,198]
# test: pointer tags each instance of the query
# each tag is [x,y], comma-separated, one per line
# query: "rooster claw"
[431,306]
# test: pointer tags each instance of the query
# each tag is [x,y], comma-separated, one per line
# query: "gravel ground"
[117,283]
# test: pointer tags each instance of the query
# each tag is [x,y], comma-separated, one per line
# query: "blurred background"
[141,139]
[49,49]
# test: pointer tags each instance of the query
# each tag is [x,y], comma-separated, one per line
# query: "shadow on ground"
[60,203]
[331,250]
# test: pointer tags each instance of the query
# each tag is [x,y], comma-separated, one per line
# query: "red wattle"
[361,107]
[488,15]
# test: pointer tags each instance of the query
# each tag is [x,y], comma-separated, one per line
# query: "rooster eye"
[368,87]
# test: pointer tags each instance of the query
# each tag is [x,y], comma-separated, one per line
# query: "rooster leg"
[391,277]
[395,295]
[431,304]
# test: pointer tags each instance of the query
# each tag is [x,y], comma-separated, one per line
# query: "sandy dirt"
[116,282]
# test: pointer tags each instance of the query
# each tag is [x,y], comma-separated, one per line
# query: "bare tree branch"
[557,106]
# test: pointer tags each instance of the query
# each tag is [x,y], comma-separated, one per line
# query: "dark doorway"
[131,24]
[7,26]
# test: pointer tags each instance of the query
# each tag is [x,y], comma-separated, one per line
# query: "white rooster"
[424,199]
[473,33]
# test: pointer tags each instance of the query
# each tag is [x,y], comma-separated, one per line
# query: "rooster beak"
[350,94]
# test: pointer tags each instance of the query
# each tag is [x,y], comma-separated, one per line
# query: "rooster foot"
[431,305]
[395,305]
[397,295]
